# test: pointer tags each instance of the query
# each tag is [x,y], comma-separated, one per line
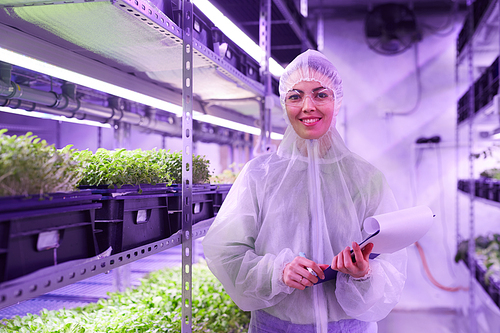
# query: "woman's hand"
[344,263]
[297,276]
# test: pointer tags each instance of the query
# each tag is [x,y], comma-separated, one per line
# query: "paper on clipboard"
[392,232]
[399,229]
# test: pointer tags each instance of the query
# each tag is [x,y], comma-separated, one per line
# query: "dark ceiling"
[287,43]
[351,8]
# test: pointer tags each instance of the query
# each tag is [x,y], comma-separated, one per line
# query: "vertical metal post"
[265,46]
[472,245]
[187,162]
[99,137]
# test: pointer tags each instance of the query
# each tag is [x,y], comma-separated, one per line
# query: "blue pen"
[303,255]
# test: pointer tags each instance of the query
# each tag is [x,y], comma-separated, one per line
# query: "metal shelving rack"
[73,35]
[477,53]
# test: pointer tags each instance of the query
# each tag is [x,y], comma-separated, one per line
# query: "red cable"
[429,275]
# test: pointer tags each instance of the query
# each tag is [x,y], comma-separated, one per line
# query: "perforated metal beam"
[187,163]
[265,46]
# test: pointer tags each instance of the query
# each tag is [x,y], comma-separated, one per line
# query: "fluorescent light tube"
[42,115]
[231,125]
[304,8]
[236,35]
[64,74]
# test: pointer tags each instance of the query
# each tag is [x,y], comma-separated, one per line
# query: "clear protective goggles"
[319,96]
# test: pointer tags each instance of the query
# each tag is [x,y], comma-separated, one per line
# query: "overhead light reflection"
[48,116]
[495,134]
[235,34]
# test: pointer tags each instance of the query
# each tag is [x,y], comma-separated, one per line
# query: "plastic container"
[250,67]
[39,232]
[463,36]
[202,26]
[463,107]
[484,188]
[494,194]
[129,218]
[202,201]
[494,291]
[220,195]
[132,216]
[478,183]
[227,49]
[481,275]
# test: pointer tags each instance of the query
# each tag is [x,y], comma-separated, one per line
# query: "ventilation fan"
[391,28]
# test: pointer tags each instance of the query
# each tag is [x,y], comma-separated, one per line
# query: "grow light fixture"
[42,115]
[83,80]
[235,34]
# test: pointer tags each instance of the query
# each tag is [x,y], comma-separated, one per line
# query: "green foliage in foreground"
[29,166]
[154,306]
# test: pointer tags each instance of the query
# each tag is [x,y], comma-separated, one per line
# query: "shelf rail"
[55,277]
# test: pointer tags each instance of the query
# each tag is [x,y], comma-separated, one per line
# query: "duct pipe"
[12,90]
[96,112]
[21,97]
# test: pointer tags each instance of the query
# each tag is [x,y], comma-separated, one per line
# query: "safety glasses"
[320,96]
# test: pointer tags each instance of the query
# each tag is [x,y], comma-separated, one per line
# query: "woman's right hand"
[297,276]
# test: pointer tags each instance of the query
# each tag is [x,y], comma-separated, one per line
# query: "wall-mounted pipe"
[22,97]
[98,113]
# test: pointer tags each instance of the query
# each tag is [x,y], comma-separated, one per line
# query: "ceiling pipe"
[150,122]
[66,104]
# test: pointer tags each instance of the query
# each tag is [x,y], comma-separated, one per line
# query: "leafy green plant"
[120,167]
[491,173]
[154,306]
[228,176]
[489,255]
[134,167]
[29,166]
[201,174]
[487,252]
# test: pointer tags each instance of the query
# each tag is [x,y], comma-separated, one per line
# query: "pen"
[303,255]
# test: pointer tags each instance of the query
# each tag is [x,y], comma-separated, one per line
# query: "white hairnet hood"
[311,196]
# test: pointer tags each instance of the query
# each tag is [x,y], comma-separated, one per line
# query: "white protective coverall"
[310,196]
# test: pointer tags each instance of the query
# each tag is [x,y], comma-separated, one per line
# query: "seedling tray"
[129,219]
[42,231]
[203,199]
[132,216]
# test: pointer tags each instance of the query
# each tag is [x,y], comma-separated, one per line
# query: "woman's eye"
[294,97]
[322,95]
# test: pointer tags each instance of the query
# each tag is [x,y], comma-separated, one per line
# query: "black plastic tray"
[36,233]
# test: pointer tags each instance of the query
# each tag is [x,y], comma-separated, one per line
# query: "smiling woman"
[310,197]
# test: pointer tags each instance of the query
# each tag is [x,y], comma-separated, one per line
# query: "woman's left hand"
[344,263]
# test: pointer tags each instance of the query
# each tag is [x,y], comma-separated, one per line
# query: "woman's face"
[310,108]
